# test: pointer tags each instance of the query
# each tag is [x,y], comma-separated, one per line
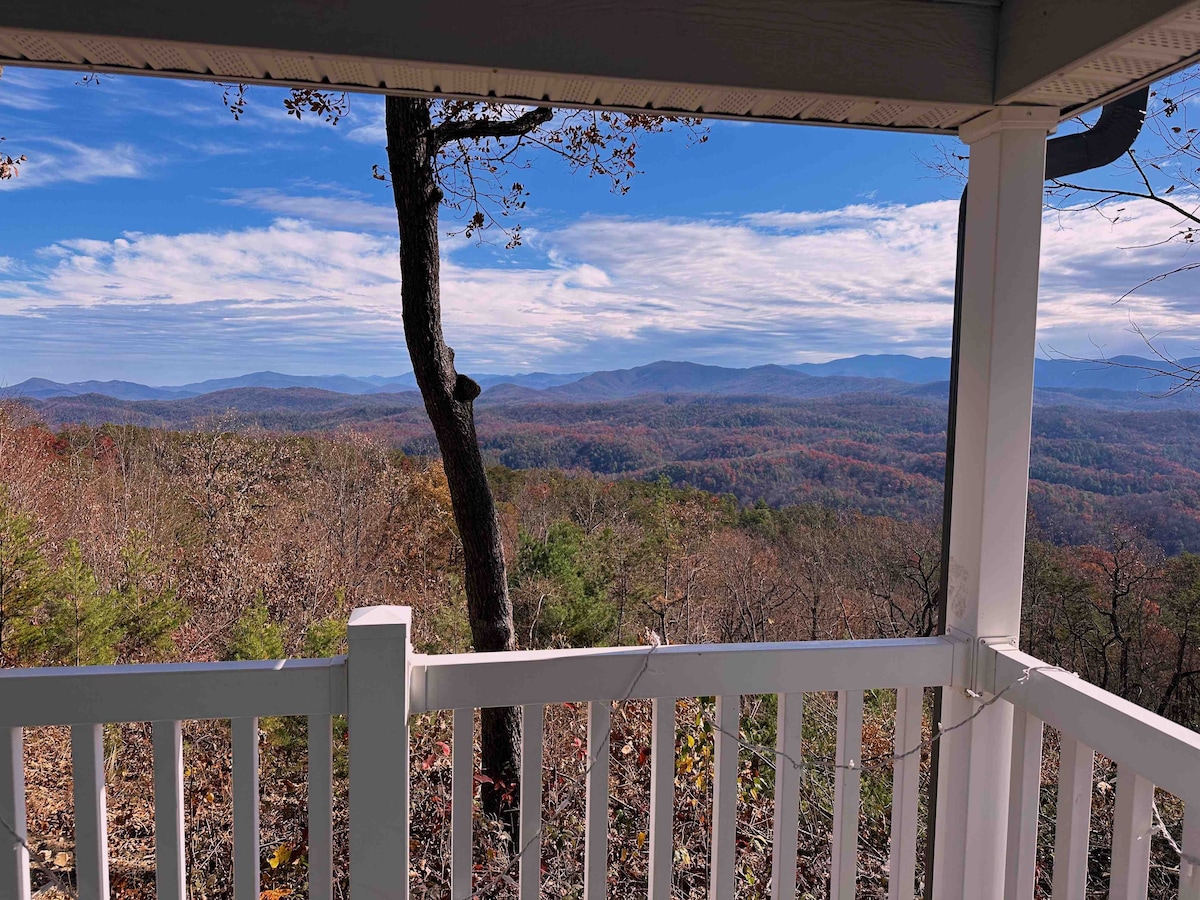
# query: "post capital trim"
[1009,118]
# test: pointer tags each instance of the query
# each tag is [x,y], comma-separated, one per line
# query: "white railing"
[534,679]
[1148,750]
[381,684]
[166,695]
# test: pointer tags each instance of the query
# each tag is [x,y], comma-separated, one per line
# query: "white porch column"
[991,473]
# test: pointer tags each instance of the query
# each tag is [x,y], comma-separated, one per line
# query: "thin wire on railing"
[594,757]
[768,754]
[827,764]
[57,881]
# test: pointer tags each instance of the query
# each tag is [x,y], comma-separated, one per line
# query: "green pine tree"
[24,579]
[77,624]
[255,636]
[150,611]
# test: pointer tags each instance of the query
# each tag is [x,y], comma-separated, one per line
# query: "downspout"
[1105,142]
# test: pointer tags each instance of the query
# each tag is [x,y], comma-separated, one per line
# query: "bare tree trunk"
[448,400]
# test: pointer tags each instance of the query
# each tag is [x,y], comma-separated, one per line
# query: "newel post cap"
[380,623]
[1009,118]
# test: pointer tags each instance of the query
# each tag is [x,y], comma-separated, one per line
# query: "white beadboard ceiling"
[1163,43]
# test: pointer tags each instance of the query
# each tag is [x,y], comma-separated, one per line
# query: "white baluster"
[1072,820]
[846,781]
[14,860]
[245,809]
[906,784]
[1132,824]
[462,792]
[595,858]
[530,875]
[788,749]
[725,797]
[91,818]
[1024,802]
[662,797]
[1189,865]
[320,807]
[169,860]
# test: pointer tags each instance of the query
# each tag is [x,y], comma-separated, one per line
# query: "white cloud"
[601,292]
[366,122]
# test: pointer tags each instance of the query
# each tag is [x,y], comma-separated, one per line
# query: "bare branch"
[1182,376]
[1113,193]
[479,129]
[1162,276]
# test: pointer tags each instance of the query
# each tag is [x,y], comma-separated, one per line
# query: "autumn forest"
[233,539]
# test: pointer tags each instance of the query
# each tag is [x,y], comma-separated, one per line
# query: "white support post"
[378,694]
[14,848]
[91,811]
[788,751]
[1025,784]
[991,473]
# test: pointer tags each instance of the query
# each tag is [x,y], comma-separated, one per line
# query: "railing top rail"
[687,670]
[1160,750]
[172,691]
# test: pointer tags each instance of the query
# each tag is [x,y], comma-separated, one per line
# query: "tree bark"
[449,397]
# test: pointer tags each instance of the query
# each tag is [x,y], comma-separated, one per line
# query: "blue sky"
[151,237]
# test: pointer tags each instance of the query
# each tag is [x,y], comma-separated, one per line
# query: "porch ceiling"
[918,65]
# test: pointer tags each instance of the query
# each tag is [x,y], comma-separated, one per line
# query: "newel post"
[377,686]
[990,487]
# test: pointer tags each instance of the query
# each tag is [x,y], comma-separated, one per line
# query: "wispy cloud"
[600,292]
[346,211]
[24,90]
[57,160]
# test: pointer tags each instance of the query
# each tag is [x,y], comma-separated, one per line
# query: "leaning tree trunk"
[448,400]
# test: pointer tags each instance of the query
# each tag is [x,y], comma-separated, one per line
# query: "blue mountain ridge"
[1090,381]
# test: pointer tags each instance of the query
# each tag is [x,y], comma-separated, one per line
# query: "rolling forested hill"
[879,451]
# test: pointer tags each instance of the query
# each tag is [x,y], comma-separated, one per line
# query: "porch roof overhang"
[913,65]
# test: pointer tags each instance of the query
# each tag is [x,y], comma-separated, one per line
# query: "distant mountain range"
[1121,373]
[44,389]
[1123,384]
